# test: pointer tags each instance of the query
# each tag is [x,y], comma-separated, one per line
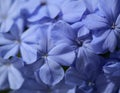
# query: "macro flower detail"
[54,56]
[105,24]
[17,41]
[59,46]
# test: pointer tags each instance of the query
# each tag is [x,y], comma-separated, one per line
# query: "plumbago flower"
[8,11]
[10,75]
[53,56]
[105,25]
[78,40]
[109,81]
[17,42]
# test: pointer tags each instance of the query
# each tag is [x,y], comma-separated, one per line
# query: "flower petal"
[29,54]
[15,78]
[95,22]
[51,73]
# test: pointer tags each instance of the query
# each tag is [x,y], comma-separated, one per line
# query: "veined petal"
[29,54]
[64,59]
[96,22]
[9,50]
[30,36]
[110,12]
[4,41]
[98,40]
[12,52]
[6,25]
[15,78]
[60,49]
[62,33]
[109,43]
[51,73]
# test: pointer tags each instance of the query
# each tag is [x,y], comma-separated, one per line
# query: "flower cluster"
[60,46]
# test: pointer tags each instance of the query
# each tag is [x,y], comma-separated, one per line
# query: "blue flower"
[53,56]
[10,75]
[18,42]
[105,25]
[9,10]
[78,40]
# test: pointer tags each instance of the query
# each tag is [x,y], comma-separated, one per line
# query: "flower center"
[45,56]
[79,42]
[17,41]
[91,84]
[113,26]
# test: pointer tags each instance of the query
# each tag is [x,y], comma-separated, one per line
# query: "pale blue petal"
[4,41]
[98,40]
[51,73]
[60,49]
[29,54]
[65,59]
[110,12]
[73,10]
[62,33]
[109,43]
[30,36]
[15,78]
[96,22]
[6,25]
[12,52]
[6,50]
